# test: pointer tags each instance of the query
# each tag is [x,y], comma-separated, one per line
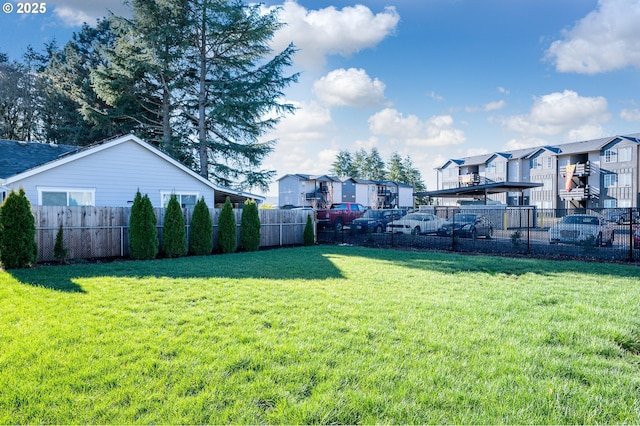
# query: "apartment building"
[598,173]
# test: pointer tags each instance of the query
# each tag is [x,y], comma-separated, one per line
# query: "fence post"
[528,232]
[630,234]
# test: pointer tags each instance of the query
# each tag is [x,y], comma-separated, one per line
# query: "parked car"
[376,220]
[416,224]
[470,225]
[581,228]
[636,237]
[621,216]
[339,215]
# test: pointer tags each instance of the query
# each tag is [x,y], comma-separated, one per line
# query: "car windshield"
[580,220]
[414,216]
[461,217]
[373,214]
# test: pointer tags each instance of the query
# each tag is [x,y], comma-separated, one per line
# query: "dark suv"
[376,220]
[468,225]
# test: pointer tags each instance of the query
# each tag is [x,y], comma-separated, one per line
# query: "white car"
[416,223]
[582,228]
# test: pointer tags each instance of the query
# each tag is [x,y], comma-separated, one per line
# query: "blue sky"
[432,79]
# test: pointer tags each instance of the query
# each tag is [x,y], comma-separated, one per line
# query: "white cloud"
[606,39]
[76,12]
[494,106]
[433,95]
[329,31]
[630,114]
[561,113]
[503,90]
[435,131]
[524,142]
[352,87]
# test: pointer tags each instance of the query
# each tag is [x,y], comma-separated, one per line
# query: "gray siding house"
[105,174]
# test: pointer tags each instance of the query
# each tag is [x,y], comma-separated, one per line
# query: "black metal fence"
[607,234]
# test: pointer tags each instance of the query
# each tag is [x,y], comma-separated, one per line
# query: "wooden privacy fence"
[101,232]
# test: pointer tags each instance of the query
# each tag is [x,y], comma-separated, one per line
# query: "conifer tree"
[59,250]
[18,248]
[143,235]
[308,236]
[227,239]
[201,229]
[250,226]
[174,235]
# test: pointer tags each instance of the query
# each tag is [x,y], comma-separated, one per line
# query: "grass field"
[321,335]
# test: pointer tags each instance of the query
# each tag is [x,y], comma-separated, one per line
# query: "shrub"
[308,236]
[250,226]
[143,235]
[201,229]
[59,250]
[18,248]
[174,234]
[227,239]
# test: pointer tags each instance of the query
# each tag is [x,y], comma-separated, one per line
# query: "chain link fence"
[607,234]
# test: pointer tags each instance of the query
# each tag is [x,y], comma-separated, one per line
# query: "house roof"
[17,157]
[43,159]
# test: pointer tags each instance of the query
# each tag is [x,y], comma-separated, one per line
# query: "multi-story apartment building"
[318,191]
[598,173]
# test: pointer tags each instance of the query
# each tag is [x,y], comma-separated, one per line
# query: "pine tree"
[201,229]
[143,235]
[174,235]
[307,236]
[18,248]
[250,226]
[59,250]
[227,238]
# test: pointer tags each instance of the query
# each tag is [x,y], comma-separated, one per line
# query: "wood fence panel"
[99,232]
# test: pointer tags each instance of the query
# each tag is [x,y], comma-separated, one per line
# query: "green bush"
[308,236]
[174,234]
[250,226]
[59,250]
[143,235]
[227,239]
[201,229]
[18,248]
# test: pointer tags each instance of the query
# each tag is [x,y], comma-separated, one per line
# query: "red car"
[636,237]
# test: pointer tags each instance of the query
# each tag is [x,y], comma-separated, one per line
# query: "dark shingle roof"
[17,157]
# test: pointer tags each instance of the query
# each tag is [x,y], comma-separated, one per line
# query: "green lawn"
[321,335]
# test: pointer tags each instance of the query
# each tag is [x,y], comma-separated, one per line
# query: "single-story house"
[108,173]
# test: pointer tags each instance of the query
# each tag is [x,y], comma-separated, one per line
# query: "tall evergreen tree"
[174,234]
[143,235]
[235,89]
[343,166]
[374,167]
[227,233]
[201,229]
[18,248]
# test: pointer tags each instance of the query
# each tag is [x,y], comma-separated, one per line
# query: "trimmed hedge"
[143,235]
[308,236]
[174,234]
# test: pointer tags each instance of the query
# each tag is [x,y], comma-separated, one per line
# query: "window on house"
[536,163]
[624,154]
[66,197]
[547,163]
[610,156]
[500,167]
[610,180]
[624,179]
[187,200]
[609,203]
[624,203]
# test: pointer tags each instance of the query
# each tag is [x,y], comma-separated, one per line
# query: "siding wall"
[116,174]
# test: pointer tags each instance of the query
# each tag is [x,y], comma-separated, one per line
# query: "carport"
[480,192]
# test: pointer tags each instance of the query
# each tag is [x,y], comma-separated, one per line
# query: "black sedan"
[376,221]
[469,225]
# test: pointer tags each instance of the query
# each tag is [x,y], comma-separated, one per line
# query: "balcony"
[582,170]
[576,194]
[470,179]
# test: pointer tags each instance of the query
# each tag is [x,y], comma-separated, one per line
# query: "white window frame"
[179,194]
[610,203]
[536,163]
[91,191]
[625,203]
[610,155]
[607,181]
[624,180]
[624,154]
